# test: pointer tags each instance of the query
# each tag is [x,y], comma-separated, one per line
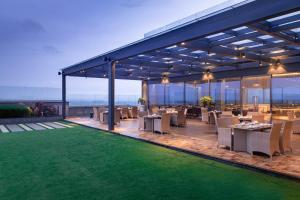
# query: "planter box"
[29,120]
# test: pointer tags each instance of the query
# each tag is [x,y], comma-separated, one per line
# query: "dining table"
[245,118]
[241,134]
[149,122]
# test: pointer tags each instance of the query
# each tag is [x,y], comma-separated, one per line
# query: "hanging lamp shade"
[165,79]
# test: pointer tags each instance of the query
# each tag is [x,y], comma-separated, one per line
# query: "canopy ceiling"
[245,40]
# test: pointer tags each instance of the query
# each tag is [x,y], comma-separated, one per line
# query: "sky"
[39,37]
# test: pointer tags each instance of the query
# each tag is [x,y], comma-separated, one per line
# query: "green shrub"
[14,111]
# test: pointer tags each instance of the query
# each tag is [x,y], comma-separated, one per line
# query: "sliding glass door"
[256,94]
[286,96]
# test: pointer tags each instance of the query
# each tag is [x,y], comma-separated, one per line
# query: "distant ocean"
[11,93]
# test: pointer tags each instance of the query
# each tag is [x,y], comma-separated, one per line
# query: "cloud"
[29,25]
[12,30]
[51,50]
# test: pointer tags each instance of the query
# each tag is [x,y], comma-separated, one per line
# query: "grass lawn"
[81,163]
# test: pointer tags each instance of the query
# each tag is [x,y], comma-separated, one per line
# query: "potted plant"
[142,102]
[206,101]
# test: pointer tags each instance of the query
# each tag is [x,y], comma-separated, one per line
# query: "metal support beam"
[63,96]
[260,10]
[256,71]
[111,95]
[268,31]
[227,52]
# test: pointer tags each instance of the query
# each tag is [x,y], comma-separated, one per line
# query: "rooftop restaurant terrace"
[226,85]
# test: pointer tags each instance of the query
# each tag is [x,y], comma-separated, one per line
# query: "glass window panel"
[203,89]
[174,94]
[286,96]
[156,94]
[231,95]
[256,94]
[215,93]
[191,94]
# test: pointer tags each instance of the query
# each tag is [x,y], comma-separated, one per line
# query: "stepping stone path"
[8,128]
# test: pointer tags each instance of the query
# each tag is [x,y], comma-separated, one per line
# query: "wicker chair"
[204,115]
[285,137]
[216,120]
[179,119]
[103,117]
[296,125]
[226,114]
[259,118]
[263,142]
[96,114]
[141,119]
[225,131]
[117,116]
[154,110]
[162,125]
[134,112]
[124,113]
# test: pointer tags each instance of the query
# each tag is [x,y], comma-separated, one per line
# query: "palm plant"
[206,101]
[141,101]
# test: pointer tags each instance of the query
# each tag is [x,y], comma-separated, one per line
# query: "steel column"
[184,93]
[145,93]
[271,98]
[63,96]
[111,95]
[241,94]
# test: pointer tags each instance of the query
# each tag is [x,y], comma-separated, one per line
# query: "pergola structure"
[250,38]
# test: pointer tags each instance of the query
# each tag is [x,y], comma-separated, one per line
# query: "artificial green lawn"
[81,163]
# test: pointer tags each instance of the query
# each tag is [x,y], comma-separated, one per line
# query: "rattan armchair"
[285,137]
[265,142]
[162,125]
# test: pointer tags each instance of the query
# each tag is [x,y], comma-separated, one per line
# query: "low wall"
[80,111]
[29,120]
[31,103]
[84,111]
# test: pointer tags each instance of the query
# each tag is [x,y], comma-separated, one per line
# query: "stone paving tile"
[35,126]
[3,129]
[14,128]
[53,125]
[26,128]
[44,125]
[62,124]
